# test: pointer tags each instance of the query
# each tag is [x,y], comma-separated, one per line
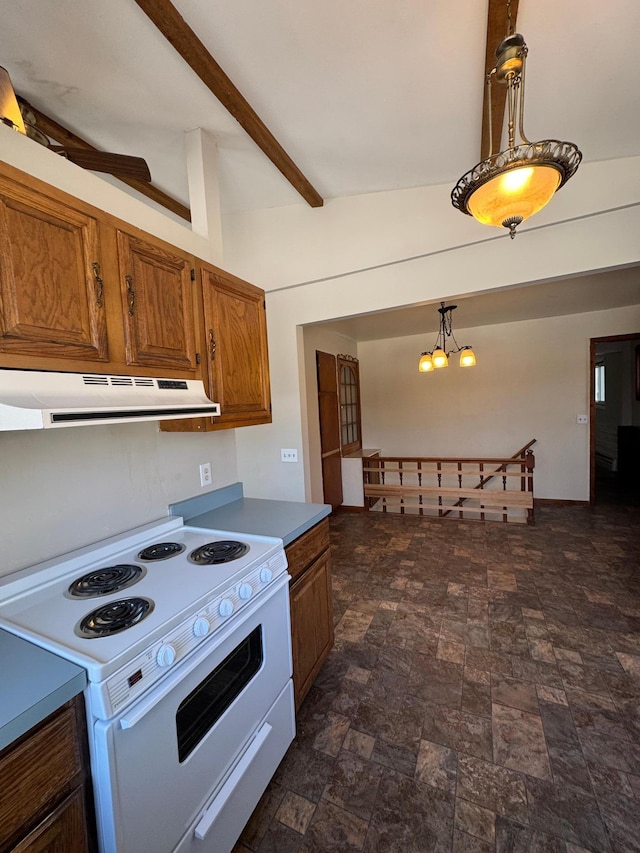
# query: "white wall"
[531,381]
[61,489]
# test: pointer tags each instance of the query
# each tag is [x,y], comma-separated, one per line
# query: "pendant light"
[439,356]
[512,185]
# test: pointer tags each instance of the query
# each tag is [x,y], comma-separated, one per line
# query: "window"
[349,390]
[599,384]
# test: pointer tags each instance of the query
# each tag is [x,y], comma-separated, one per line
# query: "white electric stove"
[185,638]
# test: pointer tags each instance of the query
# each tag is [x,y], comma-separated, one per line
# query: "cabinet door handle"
[131,294]
[95,266]
[212,345]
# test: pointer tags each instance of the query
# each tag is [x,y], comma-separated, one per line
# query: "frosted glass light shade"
[467,357]
[426,363]
[516,193]
[440,358]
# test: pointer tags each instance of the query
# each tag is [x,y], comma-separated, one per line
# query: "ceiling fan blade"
[103,161]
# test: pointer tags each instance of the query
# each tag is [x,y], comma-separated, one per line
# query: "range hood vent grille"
[31,399]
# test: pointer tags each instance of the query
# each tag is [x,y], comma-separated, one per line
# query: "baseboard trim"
[345,508]
[557,502]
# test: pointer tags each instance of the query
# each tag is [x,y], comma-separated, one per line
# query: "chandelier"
[442,349]
[512,185]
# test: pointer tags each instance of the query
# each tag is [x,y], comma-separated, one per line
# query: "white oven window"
[204,706]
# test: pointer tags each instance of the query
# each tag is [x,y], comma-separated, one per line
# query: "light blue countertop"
[285,519]
[34,684]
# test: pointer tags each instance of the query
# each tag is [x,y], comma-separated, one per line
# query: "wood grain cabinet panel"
[311,605]
[158,304]
[236,346]
[63,831]
[234,349]
[43,787]
[51,289]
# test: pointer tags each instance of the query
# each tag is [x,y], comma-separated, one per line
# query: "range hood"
[33,399]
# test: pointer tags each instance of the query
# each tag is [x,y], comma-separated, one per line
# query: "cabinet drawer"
[37,771]
[304,550]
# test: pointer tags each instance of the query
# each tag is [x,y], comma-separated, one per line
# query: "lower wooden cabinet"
[309,559]
[44,790]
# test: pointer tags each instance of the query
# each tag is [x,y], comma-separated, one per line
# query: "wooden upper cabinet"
[51,284]
[235,329]
[158,304]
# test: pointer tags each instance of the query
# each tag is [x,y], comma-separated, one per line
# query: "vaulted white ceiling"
[364,95]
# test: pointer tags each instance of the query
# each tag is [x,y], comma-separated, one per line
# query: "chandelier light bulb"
[467,357]
[440,358]
[426,362]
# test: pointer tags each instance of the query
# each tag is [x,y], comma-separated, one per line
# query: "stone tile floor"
[483,695]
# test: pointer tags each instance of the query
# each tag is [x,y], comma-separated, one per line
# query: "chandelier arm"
[489,111]
[521,108]
[512,86]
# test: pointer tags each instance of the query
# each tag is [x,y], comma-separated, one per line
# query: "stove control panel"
[136,677]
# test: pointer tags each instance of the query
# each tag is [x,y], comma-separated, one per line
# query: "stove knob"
[245,591]
[226,608]
[265,575]
[166,655]
[201,627]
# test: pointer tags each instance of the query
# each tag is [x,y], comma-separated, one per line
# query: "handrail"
[440,484]
[519,453]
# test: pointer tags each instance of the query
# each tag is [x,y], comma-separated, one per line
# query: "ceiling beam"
[50,127]
[497,26]
[176,30]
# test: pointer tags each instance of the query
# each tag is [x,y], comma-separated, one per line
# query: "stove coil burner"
[160,551]
[222,551]
[114,617]
[106,580]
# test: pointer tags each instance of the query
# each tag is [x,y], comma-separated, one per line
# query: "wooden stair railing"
[519,454]
[442,485]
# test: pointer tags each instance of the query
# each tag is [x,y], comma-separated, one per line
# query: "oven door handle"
[208,819]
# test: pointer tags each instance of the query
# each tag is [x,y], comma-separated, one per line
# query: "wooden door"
[328,407]
[158,300]
[51,296]
[236,349]
[311,624]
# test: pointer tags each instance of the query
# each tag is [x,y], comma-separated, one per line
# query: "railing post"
[530,462]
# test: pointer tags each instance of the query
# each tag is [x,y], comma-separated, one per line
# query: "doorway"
[614,445]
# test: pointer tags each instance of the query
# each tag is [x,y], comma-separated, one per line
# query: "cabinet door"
[51,299]
[311,624]
[158,305]
[64,831]
[236,346]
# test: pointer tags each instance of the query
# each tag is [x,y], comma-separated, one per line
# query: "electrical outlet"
[205,474]
[582,419]
[290,455]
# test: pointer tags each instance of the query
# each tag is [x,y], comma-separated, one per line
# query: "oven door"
[185,765]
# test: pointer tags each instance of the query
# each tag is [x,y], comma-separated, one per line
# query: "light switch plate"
[288,455]
[582,419]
